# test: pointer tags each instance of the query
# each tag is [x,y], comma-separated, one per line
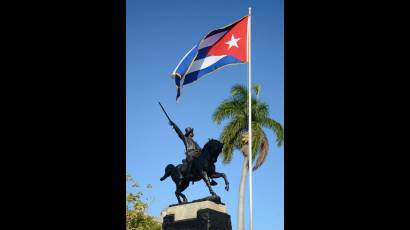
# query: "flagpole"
[250,121]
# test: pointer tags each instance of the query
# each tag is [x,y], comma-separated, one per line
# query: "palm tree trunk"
[242,186]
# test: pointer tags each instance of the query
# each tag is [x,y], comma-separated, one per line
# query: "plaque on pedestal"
[197,215]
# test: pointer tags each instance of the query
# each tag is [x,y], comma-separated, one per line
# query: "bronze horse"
[203,168]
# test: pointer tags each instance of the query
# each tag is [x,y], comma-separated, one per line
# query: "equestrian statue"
[199,164]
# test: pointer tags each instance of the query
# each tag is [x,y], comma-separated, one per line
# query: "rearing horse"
[203,168]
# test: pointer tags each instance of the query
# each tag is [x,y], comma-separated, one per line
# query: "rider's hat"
[188,130]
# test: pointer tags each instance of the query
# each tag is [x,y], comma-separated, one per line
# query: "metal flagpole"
[250,122]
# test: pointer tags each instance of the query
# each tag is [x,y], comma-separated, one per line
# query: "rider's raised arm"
[178,131]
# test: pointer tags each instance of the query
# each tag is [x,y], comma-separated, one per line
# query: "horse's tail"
[168,171]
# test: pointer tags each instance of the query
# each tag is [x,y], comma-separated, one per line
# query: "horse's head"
[213,148]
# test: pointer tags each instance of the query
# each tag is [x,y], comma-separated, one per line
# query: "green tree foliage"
[235,136]
[137,219]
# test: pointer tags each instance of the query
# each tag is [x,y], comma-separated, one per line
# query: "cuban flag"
[219,48]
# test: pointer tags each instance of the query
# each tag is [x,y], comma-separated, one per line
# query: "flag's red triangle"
[234,42]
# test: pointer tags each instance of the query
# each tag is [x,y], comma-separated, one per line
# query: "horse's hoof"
[227,188]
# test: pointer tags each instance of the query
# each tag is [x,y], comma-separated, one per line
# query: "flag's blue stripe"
[191,77]
[217,31]
[223,29]
[178,84]
[177,81]
[220,30]
[202,53]
[186,62]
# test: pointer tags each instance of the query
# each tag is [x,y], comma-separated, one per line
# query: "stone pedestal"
[197,215]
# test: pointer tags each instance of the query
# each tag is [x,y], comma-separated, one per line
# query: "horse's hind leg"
[217,175]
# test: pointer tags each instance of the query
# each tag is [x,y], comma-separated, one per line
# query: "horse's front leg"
[206,179]
[178,193]
[217,175]
[185,200]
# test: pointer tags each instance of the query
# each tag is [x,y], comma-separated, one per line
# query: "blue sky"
[159,33]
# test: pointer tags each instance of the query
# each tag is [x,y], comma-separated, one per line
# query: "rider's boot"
[188,170]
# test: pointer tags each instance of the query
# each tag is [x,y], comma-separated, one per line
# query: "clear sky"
[159,33]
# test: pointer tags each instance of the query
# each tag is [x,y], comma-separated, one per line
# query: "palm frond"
[277,129]
[260,111]
[227,109]
[239,91]
[257,134]
[263,151]
[227,153]
[257,89]
[228,137]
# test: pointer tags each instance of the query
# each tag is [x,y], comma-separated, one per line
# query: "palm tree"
[235,135]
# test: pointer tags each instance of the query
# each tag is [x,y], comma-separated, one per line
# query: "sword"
[164,111]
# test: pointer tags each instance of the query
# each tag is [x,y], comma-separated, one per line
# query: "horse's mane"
[211,143]
[210,146]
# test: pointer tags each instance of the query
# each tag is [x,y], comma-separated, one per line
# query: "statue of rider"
[192,149]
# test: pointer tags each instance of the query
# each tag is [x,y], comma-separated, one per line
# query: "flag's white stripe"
[211,40]
[204,63]
[182,60]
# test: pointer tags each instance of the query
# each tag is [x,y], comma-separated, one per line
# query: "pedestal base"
[199,215]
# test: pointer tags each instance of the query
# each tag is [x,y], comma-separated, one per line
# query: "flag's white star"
[233,42]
